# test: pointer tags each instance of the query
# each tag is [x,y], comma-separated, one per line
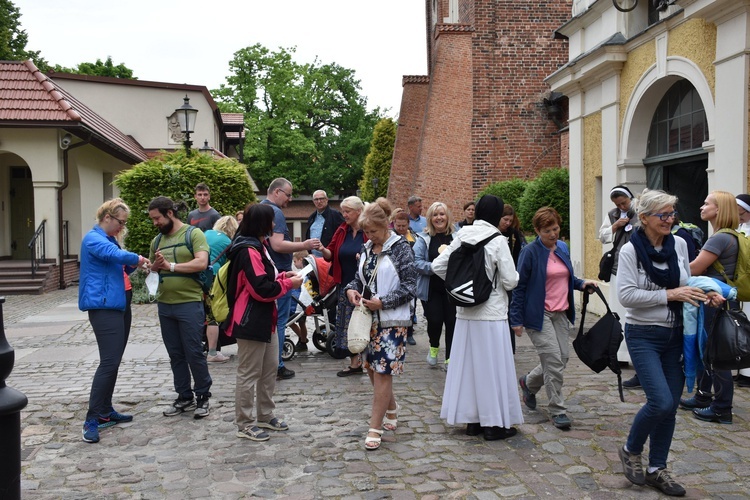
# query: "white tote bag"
[360,324]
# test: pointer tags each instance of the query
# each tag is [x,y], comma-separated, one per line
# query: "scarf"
[665,278]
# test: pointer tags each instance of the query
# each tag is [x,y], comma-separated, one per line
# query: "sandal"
[350,370]
[390,424]
[373,443]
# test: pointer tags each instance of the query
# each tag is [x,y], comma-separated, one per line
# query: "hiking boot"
[632,383]
[284,373]
[202,406]
[219,358]
[114,418]
[693,403]
[179,407]
[410,340]
[711,415]
[432,356]
[661,480]
[561,421]
[300,346]
[529,398]
[91,430]
[632,467]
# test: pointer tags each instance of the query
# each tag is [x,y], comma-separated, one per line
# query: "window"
[679,123]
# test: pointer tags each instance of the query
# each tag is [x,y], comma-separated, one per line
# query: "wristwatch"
[171,267]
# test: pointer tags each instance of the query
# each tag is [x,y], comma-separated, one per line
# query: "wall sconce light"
[553,106]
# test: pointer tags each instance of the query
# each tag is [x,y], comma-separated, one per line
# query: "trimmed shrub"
[509,191]
[175,175]
[549,189]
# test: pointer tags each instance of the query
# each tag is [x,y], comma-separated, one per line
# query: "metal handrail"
[38,248]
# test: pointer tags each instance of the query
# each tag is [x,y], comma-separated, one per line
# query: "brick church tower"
[482,114]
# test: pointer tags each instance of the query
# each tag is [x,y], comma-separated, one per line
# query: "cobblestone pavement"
[322,454]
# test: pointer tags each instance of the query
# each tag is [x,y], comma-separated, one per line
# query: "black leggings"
[438,310]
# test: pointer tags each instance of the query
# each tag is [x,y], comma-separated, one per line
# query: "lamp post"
[186,115]
[375,182]
[206,149]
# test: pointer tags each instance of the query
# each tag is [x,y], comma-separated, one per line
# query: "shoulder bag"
[728,345]
[607,261]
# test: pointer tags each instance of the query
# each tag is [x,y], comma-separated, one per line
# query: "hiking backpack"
[219,301]
[466,280]
[741,278]
[694,231]
[204,278]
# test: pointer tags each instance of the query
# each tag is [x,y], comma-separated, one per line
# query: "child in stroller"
[318,301]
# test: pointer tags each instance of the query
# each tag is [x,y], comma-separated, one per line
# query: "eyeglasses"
[742,214]
[665,216]
[288,195]
[122,222]
[320,199]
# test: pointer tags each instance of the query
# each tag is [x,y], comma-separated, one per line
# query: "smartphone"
[367,293]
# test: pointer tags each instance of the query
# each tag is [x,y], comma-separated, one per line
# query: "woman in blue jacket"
[101,292]
[543,304]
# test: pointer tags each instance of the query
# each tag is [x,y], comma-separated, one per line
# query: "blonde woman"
[219,238]
[438,310]
[101,292]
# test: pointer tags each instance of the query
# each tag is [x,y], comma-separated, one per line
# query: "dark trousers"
[181,330]
[111,329]
[439,311]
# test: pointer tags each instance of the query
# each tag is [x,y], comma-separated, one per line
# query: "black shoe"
[410,340]
[632,467]
[632,383]
[529,398]
[350,370]
[711,415]
[300,347]
[201,406]
[473,429]
[693,403]
[561,421]
[661,480]
[743,381]
[284,373]
[495,433]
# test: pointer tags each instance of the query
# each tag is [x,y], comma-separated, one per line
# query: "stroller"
[320,304]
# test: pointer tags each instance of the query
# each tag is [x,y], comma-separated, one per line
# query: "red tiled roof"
[28,97]
[233,119]
[235,135]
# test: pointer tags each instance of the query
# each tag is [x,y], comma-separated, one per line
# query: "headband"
[617,190]
[743,200]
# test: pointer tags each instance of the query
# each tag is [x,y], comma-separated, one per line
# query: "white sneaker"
[219,358]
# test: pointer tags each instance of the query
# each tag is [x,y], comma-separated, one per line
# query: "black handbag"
[597,347]
[607,262]
[728,345]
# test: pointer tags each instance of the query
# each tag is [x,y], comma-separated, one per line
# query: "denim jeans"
[181,330]
[111,338]
[721,380]
[282,310]
[655,352]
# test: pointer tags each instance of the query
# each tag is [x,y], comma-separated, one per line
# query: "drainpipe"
[65,183]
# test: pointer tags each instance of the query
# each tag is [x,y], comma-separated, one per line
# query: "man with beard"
[177,253]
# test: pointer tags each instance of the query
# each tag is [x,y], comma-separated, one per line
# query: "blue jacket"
[423,264]
[527,306]
[101,284]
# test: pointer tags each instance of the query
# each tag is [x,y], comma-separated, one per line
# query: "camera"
[66,141]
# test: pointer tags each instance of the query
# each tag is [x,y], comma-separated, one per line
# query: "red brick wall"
[498,82]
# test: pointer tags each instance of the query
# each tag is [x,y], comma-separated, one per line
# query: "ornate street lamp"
[206,149]
[186,115]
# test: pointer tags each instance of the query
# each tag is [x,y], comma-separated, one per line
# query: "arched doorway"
[675,159]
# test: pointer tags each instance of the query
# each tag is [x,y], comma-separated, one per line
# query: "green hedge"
[509,191]
[175,175]
[550,188]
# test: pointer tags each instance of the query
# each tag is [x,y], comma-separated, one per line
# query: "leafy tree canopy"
[305,122]
[378,160]
[99,68]
[13,39]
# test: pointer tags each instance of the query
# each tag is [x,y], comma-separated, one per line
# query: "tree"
[13,39]
[99,68]
[551,189]
[378,160]
[305,122]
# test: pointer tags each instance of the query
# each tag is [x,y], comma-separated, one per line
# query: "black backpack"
[597,347]
[204,278]
[465,278]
